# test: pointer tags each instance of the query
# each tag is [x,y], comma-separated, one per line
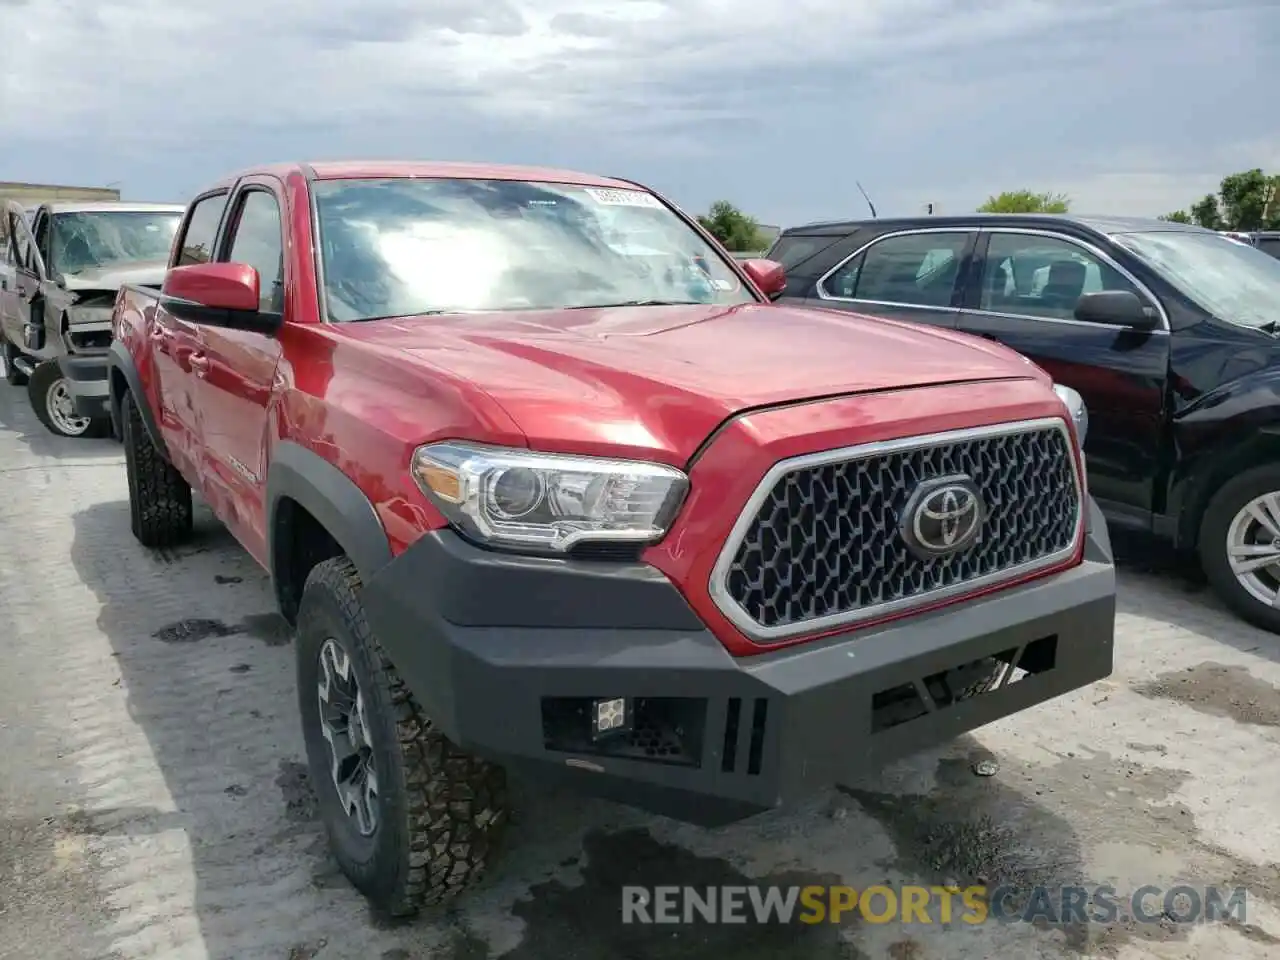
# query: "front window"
[91,240]
[1232,281]
[399,247]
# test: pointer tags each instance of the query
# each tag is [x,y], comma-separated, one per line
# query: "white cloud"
[776,104]
[195,65]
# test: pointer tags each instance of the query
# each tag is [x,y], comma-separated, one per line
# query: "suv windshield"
[1232,281]
[83,241]
[399,247]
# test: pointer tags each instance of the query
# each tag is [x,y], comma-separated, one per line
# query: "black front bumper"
[507,654]
[88,381]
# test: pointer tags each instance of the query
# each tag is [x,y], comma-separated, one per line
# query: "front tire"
[50,396]
[412,820]
[159,498]
[1239,545]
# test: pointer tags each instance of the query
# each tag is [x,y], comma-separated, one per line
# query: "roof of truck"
[112,206]
[398,169]
[1102,224]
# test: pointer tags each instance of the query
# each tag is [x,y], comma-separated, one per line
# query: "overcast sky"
[1130,106]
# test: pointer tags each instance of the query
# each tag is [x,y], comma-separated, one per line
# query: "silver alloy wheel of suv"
[1253,547]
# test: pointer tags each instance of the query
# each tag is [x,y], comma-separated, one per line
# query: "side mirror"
[218,295]
[1117,308]
[769,275]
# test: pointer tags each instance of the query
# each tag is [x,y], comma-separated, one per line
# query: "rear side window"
[911,269]
[1269,245]
[790,251]
[196,243]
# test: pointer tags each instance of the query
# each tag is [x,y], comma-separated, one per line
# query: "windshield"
[1233,281]
[399,247]
[83,241]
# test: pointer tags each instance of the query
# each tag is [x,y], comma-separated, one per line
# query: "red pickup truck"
[546,482]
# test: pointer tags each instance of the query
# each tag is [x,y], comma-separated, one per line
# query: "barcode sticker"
[624,198]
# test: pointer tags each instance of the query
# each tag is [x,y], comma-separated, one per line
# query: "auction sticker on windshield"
[624,198]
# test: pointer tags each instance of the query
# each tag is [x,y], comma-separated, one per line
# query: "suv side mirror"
[1117,308]
[769,275]
[218,295]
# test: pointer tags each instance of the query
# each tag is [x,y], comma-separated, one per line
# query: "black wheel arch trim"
[333,499]
[1196,480]
[119,358]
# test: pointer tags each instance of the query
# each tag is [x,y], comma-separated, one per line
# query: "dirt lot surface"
[153,801]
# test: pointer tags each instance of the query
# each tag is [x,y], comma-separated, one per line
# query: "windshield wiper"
[639,303]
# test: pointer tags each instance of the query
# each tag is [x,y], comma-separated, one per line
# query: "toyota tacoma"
[546,482]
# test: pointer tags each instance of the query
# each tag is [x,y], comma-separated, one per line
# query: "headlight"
[1075,406]
[546,502]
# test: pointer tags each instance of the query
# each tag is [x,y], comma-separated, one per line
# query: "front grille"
[821,543]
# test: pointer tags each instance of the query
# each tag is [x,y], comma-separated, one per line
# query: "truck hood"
[113,277]
[658,380]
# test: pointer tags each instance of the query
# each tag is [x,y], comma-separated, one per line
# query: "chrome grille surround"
[1027,471]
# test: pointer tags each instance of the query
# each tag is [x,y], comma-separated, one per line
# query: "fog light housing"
[610,717]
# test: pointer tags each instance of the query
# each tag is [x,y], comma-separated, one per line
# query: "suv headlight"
[547,503]
[1075,406]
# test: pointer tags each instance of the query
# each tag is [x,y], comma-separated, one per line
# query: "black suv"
[1171,333]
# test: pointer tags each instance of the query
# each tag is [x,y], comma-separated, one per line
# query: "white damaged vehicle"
[60,270]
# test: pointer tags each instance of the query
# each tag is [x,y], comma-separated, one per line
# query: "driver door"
[20,302]
[1029,283]
[9,299]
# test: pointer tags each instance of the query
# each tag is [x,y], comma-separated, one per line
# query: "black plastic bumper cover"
[88,382]
[488,641]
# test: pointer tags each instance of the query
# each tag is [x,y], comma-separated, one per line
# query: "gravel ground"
[153,802]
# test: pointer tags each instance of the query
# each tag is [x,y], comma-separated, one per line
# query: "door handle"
[199,364]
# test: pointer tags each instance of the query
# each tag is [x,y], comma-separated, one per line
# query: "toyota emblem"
[943,516]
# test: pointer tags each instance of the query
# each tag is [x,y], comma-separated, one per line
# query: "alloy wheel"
[1253,548]
[61,409]
[345,727]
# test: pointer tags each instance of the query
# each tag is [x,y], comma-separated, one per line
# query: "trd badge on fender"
[943,515]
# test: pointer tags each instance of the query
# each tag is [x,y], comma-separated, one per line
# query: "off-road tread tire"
[1211,543]
[454,805]
[12,375]
[160,510]
[42,378]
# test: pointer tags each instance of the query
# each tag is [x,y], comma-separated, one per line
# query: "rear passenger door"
[913,275]
[1026,288]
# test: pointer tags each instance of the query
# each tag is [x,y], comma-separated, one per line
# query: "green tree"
[738,232]
[1178,216]
[1026,201]
[1248,200]
[1207,213]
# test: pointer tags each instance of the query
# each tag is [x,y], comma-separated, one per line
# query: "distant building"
[33,194]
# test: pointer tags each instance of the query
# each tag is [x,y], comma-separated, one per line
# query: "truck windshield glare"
[399,247]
